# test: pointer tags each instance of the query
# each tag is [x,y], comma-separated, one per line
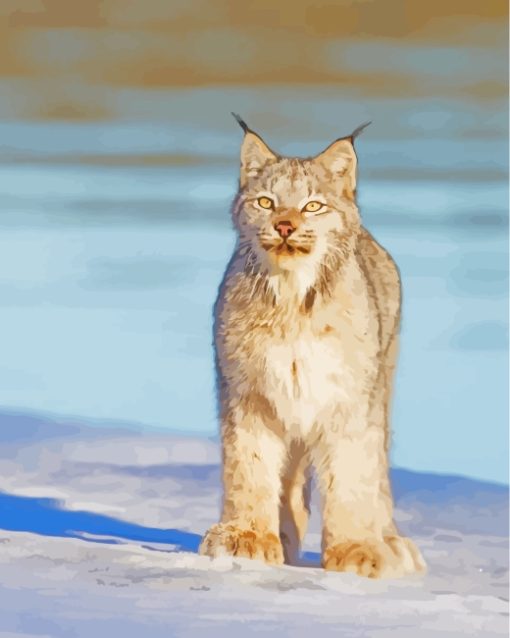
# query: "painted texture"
[108,522]
[306,329]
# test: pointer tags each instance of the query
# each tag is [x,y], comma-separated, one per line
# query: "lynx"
[306,324]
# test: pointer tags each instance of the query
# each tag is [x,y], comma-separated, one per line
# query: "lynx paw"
[392,557]
[229,540]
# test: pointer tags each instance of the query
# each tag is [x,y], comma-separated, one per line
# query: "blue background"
[115,226]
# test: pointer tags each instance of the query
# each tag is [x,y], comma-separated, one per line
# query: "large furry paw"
[393,557]
[229,540]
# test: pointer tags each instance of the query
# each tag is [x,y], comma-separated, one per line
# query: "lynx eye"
[265,202]
[312,207]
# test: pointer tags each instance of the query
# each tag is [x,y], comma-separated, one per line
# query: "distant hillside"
[63,56]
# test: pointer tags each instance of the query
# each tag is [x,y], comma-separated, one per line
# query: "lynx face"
[292,212]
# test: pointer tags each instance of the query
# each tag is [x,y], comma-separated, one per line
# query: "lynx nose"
[284,229]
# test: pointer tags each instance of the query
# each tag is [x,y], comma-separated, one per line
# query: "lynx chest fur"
[303,376]
[306,364]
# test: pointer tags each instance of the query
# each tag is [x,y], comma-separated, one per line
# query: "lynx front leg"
[253,458]
[359,534]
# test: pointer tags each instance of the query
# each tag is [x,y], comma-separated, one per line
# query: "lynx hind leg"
[294,507]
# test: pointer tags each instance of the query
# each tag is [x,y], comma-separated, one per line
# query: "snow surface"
[99,529]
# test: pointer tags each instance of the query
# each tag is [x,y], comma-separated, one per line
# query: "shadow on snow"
[45,516]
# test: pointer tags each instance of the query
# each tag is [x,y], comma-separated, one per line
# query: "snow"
[99,529]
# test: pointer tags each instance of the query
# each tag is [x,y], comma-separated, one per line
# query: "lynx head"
[293,214]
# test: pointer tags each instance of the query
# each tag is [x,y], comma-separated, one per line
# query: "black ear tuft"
[241,122]
[358,131]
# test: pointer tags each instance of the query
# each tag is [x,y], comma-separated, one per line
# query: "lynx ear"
[255,153]
[340,159]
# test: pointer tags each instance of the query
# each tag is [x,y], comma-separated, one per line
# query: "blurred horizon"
[119,160]
[74,61]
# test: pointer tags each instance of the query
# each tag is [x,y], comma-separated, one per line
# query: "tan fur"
[306,342]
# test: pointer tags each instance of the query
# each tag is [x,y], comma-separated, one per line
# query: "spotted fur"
[306,339]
